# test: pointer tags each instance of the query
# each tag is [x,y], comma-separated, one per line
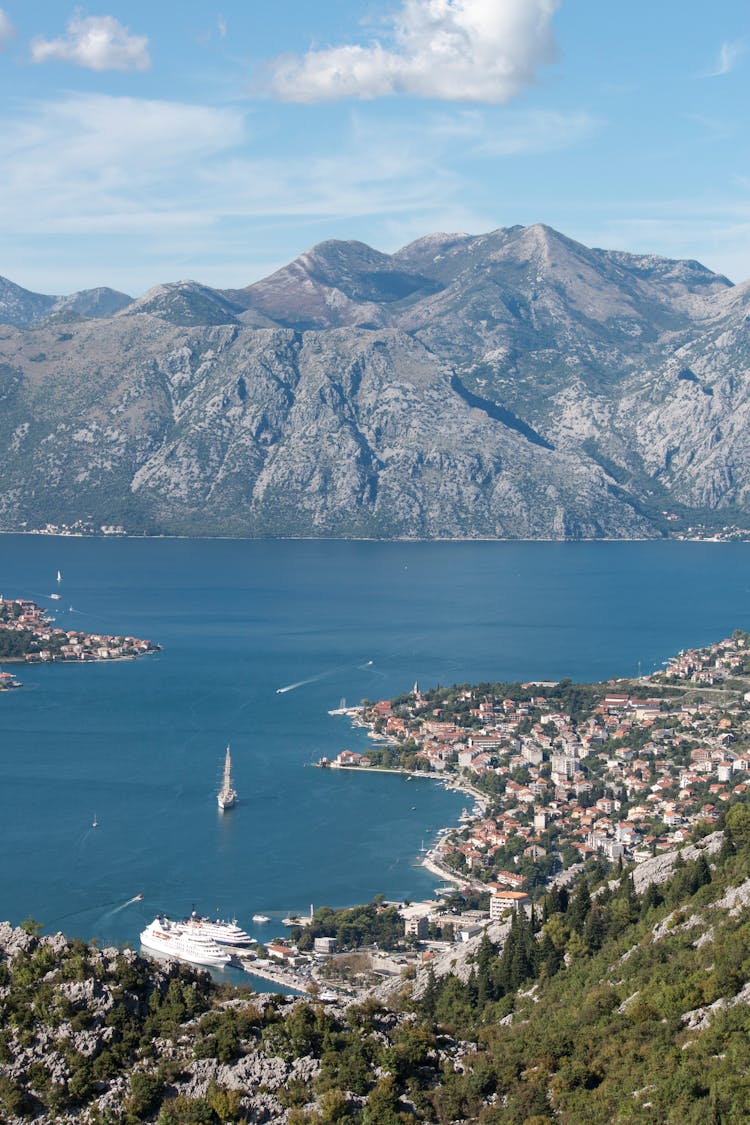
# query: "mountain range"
[510,385]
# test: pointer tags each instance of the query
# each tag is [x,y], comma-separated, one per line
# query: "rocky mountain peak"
[333,284]
[20,307]
[185,303]
[99,302]
[25,309]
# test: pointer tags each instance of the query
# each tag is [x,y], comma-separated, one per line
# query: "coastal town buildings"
[620,770]
[28,634]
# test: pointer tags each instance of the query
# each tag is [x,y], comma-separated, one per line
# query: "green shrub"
[146,1092]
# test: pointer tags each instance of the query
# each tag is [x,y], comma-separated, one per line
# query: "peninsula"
[27,635]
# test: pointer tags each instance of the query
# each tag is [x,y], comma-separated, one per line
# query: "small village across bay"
[28,635]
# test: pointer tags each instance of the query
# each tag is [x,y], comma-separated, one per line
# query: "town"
[28,635]
[623,769]
[563,775]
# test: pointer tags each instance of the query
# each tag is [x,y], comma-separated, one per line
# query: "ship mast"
[227,795]
[227,783]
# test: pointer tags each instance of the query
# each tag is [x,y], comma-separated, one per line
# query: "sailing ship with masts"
[227,796]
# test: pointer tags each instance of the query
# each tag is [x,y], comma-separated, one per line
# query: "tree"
[146,1092]
[382,1104]
[412,1043]
[738,823]
[580,905]
[485,961]
[518,961]
[652,897]
[595,929]
[576,947]
[12,1096]
[429,996]
[334,1107]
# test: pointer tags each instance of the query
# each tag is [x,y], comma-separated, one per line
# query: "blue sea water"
[140,744]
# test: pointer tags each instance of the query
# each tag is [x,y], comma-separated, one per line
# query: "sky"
[149,142]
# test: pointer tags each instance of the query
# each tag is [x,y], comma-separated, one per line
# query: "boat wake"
[117,909]
[324,675]
[301,683]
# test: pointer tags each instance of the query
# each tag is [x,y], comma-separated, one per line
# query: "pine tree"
[595,929]
[429,996]
[484,972]
[702,871]
[550,958]
[580,905]
[652,897]
[728,848]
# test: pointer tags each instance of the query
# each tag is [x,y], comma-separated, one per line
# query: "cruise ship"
[174,939]
[224,933]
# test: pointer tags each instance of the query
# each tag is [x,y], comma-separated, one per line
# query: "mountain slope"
[630,1004]
[514,384]
[259,432]
[20,307]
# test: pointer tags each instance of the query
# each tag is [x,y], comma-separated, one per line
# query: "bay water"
[260,640]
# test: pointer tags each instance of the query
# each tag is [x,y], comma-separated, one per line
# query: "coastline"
[272,974]
[430,861]
[459,784]
[141,535]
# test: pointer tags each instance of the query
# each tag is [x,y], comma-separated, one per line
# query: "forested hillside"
[621,1000]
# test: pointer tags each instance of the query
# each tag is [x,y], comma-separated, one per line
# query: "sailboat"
[227,797]
[94,822]
[59,576]
[56,597]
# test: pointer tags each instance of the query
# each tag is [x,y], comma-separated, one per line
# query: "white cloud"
[87,159]
[110,165]
[728,57]
[102,183]
[96,42]
[458,50]
[6,28]
[516,133]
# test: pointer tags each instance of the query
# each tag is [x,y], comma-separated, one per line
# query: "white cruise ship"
[175,940]
[224,933]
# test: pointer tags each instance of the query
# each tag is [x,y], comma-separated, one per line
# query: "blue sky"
[146,142]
